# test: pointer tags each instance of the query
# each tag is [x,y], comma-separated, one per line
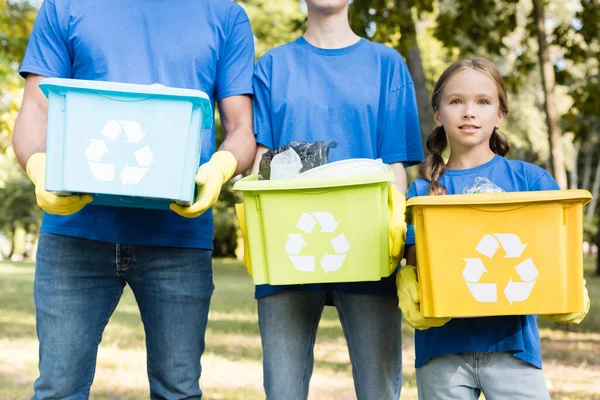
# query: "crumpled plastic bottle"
[482,185]
[286,165]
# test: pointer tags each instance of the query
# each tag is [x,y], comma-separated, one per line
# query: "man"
[86,253]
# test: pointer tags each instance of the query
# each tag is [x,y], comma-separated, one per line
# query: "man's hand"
[209,179]
[49,202]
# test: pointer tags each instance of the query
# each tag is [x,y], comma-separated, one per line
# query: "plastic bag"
[482,185]
[311,154]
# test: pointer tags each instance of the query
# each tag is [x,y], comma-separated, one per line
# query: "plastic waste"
[286,165]
[311,155]
[482,185]
[350,167]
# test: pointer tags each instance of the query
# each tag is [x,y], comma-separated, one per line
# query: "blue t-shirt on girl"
[360,96]
[516,334]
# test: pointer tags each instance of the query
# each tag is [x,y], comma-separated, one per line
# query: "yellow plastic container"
[500,253]
[317,230]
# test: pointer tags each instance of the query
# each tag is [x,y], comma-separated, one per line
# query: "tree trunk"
[548,82]
[575,167]
[595,189]
[410,48]
[598,256]
[587,167]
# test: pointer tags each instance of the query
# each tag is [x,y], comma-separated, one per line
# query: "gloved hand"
[409,296]
[572,318]
[50,202]
[397,225]
[209,179]
[241,214]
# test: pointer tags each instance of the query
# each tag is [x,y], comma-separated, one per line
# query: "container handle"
[500,209]
[125,100]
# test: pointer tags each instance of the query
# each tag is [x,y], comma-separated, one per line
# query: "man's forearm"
[241,143]
[29,134]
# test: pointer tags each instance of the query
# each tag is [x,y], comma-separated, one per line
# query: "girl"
[332,85]
[462,357]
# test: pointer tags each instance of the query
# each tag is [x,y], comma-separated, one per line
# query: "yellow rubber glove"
[409,296]
[241,214]
[572,318]
[209,179]
[50,202]
[397,225]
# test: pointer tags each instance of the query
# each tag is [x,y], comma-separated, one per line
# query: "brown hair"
[433,167]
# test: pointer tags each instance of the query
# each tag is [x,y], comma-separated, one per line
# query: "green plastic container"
[326,230]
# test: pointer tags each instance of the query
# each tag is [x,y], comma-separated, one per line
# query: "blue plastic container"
[129,145]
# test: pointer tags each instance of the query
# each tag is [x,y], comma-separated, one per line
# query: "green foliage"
[17,198]
[226,224]
[581,43]
[476,27]
[16,22]
[274,22]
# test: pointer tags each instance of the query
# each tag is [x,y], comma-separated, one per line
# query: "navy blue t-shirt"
[195,44]
[360,96]
[516,334]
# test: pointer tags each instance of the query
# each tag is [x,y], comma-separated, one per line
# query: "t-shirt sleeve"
[544,182]
[47,52]
[234,69]
[410,229]
[401,134]
[262,102]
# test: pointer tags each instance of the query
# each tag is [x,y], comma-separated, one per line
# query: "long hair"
[433,167]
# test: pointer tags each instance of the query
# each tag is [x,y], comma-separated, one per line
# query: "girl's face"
[469,110]
[327,6]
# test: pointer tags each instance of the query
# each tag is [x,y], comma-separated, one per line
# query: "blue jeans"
[372,325]
[78,284]
[465,376]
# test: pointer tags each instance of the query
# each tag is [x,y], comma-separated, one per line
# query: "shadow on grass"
[571,352]
[573,395]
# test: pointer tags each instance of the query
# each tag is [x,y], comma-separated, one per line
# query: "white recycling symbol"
[514,291]
[295,243]
[96,150]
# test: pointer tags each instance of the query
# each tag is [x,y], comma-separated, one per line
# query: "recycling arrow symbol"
[515,291]
[296,243]
[97,149]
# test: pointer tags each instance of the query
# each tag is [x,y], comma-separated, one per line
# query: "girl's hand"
[572,318]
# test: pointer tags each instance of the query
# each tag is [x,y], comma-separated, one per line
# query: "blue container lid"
[197,97]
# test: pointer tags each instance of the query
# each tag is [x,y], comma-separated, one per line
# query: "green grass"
[232,361]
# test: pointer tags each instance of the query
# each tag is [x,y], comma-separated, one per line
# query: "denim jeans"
[465,376]
[372,325]
[78,284]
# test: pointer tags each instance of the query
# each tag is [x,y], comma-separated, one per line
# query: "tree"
[16,22]
[557,159]
[579,37]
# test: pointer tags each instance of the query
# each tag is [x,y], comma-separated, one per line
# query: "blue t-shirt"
[360,96]
[516,334]
[197,44]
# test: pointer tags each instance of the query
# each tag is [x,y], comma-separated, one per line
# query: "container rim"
[117,87]
[543,196]
[251,182]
